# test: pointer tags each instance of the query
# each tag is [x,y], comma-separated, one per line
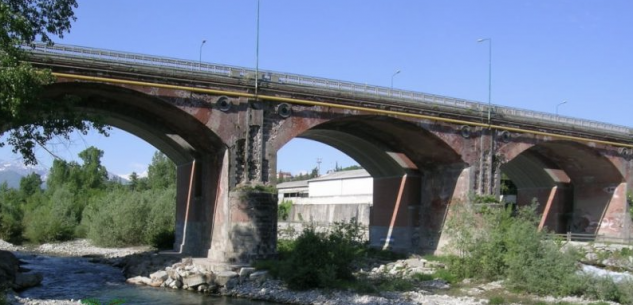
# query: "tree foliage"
[81,202]
[32,121]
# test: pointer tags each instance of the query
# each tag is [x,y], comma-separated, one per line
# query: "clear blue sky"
[544,52]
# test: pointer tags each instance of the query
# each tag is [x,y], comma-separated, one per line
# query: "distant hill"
[11,178]
[12,173]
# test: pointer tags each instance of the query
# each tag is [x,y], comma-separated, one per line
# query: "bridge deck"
[402,100]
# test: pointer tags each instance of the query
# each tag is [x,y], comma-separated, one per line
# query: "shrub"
[496,300]
[123,218]
[284,210]
[500,244]
[159,230]
[54,220]
[318,259]
[117,219]
[310,264]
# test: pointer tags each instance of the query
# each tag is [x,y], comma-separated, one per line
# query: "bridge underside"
[577,190]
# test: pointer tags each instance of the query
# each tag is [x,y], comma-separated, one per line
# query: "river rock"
[159,276]
[9,266]
[258,276]
[203,288]
[139,280]
[176,284]
[194,280]
[224,277]
[27,280]
[245,272]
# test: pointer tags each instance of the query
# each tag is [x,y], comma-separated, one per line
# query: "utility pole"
[319,160]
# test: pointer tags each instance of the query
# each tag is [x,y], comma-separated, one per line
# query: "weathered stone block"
[194,280]
[159,276]
[224,277]
[246,271]
[258,276]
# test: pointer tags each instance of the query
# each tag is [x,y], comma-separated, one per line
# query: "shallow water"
[616,276]
[78,279]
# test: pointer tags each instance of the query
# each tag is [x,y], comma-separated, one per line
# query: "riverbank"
[143,262]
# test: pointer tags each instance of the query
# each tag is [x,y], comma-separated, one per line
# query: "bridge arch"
[195,149]
[577,187]
[415,174]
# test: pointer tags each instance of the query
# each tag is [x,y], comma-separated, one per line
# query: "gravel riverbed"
[270,290]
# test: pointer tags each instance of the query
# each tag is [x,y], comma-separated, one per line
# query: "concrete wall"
[329,213]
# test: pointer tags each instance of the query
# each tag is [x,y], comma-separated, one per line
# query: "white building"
[338,196]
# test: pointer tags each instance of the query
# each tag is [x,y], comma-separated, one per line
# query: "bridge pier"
[198,186]
[393,218]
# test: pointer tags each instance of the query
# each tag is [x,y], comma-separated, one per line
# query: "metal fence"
[584,237]
[402,96]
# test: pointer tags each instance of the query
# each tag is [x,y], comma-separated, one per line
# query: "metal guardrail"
[135,59]
[584,237]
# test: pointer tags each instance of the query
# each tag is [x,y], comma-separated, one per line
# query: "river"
[79,279]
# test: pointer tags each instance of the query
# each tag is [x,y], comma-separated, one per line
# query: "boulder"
[9,266]
[210,277]
[173,274]
[224,277]
[194,280]
[139,280]
[27,280]
[159,276]
[415,263]
[246,271]
[258,276]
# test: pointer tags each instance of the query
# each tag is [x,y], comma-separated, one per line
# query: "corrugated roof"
[357,173]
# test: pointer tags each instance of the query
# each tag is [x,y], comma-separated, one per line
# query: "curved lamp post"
[394,75]
[559,104]
[200,60]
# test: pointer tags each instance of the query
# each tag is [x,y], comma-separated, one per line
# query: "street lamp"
[200,60]
[397,72]
[489,40]
[559,104]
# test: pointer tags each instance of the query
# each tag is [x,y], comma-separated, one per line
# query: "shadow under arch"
[574,185]
[197,152]
[415,176]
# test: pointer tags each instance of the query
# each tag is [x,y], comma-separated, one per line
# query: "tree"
[30,184]
[162,172]
[93,173]
[31,121]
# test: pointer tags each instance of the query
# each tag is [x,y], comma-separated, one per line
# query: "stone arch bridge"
[223,126]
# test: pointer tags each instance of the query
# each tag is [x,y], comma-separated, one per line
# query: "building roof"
[357,173]
[293,184]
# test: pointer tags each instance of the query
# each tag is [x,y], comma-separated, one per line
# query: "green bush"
[500,244]
[159,230]
[318,259]
[54,220]
[117,219]
[496,300]
[314,262]
[284,210]
[123,217]
[11,214]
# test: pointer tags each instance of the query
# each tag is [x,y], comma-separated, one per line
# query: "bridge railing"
[401,96]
